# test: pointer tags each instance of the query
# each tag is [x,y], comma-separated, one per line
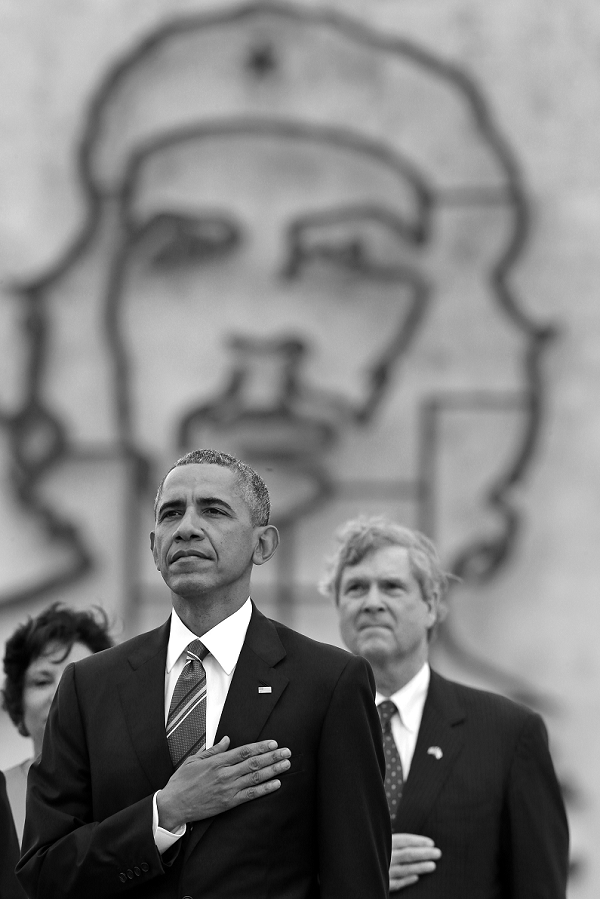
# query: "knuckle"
[255,777]
[245,752]
[254,763]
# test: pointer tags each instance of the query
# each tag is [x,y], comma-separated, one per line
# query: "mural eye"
[352,253]
[187,241]
[375,246]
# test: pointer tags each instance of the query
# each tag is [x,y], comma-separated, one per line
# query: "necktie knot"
[196,651]
[387,709]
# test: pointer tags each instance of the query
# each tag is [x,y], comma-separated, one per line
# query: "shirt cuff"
[163,838]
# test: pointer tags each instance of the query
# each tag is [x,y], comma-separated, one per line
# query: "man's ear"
[433,608]
[266,544]
[153,547]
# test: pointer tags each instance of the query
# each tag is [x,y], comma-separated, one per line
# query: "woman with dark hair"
[35,657]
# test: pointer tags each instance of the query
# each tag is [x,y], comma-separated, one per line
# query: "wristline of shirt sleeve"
[163,839]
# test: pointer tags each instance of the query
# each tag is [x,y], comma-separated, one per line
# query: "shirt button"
[130,873]
[137,871]
[122,877]
[145,867]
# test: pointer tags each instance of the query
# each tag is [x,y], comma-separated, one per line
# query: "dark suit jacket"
[491,802]
[324,833]
[10,888]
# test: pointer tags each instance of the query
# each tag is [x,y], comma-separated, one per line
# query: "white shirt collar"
[224,641]
[410,699]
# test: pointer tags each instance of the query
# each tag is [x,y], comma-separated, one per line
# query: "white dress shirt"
[410,701]
[224,643]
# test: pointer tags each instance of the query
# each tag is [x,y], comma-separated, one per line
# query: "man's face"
[383,615]
[204,538]
[258,237]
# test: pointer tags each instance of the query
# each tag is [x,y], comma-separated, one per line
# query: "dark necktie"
[186,722]
[394,779]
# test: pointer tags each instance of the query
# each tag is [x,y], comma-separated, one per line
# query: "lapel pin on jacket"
[433,750]
[265,689]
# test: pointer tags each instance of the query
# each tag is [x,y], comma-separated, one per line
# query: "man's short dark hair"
[58,625]
[251,486]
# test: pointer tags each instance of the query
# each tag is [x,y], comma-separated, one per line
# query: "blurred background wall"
[354,243]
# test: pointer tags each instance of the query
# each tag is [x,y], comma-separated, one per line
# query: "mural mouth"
[275,434]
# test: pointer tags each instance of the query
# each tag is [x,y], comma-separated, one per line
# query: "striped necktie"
[394,778]
[186,722]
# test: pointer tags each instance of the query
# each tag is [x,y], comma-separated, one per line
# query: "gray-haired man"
[475,804]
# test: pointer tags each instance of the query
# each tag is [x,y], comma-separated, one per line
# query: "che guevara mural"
[299,245]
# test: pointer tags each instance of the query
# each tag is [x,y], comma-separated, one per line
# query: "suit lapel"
[439,743]
[142,696]
[256,686]
[246,710]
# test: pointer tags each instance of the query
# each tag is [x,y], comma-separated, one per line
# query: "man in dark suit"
[287,800]
[476,808]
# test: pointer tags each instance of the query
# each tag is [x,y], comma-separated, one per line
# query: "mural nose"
[266,408]
[269,367]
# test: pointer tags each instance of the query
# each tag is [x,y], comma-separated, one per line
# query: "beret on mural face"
[267,63]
